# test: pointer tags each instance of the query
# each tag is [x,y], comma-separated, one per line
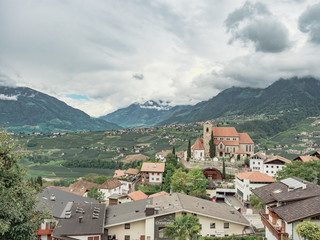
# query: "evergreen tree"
[171,159]
[19,215]
[39,181]
[212,147]
[169,171]
[223,169]
[189,151]
[174,150]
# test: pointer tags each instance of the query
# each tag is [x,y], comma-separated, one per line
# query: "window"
[267,166]
[226,225]
[266,171]
[158,174]
[254,162]
[127,226]
[157,179]
[161,229]
[93,238]
[212,225]
[271,171]
[126,237]
[152,179]
[258,163]
[271,166]
[194,214]
[277,166]
[315,218]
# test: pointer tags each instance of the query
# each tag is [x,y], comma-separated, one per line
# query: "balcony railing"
[274,229]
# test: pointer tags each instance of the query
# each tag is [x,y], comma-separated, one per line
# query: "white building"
[152,172]
[197,150]
[288,203]
[147,218]
[267,164]
[112,186]
[246,181]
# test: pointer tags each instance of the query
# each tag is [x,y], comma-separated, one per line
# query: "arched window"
[207,129]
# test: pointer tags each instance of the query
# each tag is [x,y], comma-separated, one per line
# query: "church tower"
[207,130]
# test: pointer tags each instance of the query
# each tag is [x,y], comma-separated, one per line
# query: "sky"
[102,55]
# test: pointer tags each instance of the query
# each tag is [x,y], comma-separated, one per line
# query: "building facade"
[152,172]
[228,142]
[288,203]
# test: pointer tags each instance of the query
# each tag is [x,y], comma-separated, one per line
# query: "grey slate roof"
[63,201]
[72,227]
[279,192]
[299,210]
[169,203]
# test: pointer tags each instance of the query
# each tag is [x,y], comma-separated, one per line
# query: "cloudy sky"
[101,55]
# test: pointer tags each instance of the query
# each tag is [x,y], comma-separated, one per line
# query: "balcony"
[274,229]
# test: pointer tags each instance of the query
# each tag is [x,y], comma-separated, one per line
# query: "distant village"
[232,170]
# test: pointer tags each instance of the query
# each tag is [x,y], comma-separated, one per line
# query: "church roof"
[225,132]
[198,145]
[245,138]
[241,151]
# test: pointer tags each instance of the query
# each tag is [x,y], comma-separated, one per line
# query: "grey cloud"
[309,22]
[247,11]
[138,76]
[254,23]
[268,35]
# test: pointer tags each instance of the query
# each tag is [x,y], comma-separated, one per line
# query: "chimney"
[149,211]
[67,214]
[52,197]
[80,219]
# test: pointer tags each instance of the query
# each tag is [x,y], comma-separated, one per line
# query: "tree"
[256,202]
[171,159]
[179,181]
[223,169]
[169,171]
[183,227]
[212,147]
[196,181]
[308,230]
[96,194]
[189,151]
[19,215]
[305,170]
[174,150]
[247,162]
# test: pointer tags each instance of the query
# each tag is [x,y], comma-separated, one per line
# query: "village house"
[85,222]
[109,187]
[288,202]
[162,155]
[246,181]
[268,164]
[147,218]
[57,202]
[152,172]
[307,158]
[115,199]
[228,142]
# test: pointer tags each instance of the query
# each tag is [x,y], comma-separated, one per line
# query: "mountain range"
[27,110]
[285,95]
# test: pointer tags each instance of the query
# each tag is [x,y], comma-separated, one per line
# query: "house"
[110,187]
[228,142]
[86,221]
[147,218]
[134,196]
[288,202]
[274,164]
[246,181]
[268,164]
[127,177]
[158,194]
[162,155]
[152,172]
[80,188]
[307,158]
[57,202]
[119,173]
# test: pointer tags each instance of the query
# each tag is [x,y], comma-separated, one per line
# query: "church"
[228,142]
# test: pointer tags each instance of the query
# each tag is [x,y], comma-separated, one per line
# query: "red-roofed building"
[229,143]
[246,181]
[152,172]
